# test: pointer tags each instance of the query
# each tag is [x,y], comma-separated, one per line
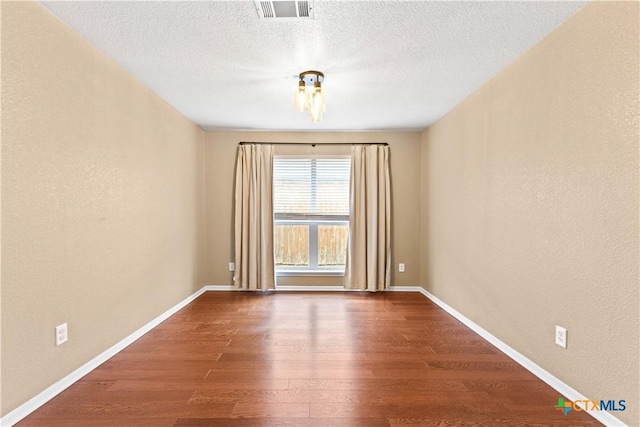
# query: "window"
[311,213]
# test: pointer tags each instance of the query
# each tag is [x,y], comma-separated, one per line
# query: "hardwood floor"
[240,359]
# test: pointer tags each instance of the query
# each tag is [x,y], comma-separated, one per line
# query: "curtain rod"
[313,144]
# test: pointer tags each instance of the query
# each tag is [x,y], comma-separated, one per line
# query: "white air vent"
[277,9]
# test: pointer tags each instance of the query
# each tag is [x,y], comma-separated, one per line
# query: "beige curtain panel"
[255,266]
[369,249]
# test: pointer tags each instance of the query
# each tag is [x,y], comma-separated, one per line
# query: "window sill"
[291,273]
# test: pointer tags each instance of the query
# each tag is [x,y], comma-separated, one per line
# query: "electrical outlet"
[401,267]
[561,336]
[61,334]
[232,266]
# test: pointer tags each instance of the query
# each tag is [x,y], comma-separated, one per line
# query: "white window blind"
[311,188]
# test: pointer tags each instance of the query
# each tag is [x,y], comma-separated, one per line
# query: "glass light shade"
[317,105]
[309,95]
[300,97]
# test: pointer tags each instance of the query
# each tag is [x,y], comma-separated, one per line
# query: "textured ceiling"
[389,65]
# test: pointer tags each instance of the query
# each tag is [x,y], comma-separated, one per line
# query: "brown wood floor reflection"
[240,359]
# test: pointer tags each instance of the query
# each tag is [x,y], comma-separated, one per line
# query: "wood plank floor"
[240,359]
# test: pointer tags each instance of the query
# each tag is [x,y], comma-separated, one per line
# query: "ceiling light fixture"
[309,95]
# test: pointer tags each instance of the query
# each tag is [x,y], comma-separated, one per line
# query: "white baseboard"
[303,288]
[285,288]
[562,388]
[25,409]
[218,288]
[404,289]
[338,288]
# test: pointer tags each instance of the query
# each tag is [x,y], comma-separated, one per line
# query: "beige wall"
[530,204]
[405,176]
[102,197]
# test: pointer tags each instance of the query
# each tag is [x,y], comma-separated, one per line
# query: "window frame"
[312,220]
